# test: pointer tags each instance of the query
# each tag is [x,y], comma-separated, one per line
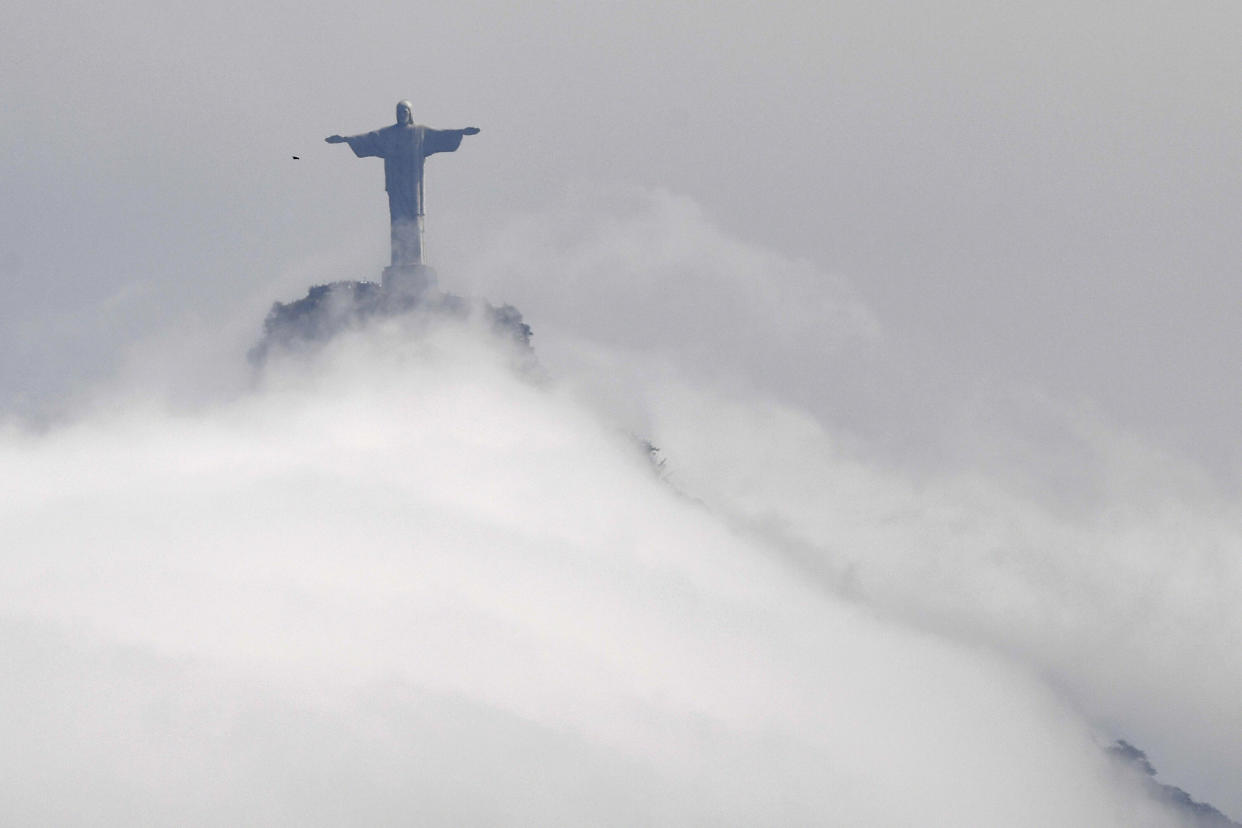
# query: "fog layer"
[397,581]
[1047,531]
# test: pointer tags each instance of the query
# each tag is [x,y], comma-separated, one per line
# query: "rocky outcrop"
[329,309]
[1195,813]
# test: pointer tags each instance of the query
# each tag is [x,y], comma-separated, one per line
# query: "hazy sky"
[961,275]
[1042,194]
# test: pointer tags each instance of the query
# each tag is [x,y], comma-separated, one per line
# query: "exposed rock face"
[1198,814]
[326,310]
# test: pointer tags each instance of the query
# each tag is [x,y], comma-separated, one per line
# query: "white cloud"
[398,582]
[1049,534]
[627,265]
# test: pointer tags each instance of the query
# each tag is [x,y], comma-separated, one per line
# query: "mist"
[927,308]
[399,580]
[1051,534]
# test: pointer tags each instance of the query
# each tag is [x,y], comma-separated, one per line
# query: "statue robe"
[403,148]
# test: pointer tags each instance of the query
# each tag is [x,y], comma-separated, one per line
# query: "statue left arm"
[444,140]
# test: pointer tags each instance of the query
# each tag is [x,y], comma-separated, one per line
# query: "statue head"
[405,113]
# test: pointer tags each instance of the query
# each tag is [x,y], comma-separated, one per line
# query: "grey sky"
[1044,193]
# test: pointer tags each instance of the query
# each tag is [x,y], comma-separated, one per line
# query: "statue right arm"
[366,145]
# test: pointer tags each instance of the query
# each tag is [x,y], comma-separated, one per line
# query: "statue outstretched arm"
[365,145]
[444,140]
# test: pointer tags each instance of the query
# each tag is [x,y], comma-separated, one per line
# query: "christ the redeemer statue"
[403,146]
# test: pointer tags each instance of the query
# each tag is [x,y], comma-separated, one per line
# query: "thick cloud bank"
[1027,524]
[398,582]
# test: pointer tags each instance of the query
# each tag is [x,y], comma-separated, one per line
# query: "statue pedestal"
[408,280]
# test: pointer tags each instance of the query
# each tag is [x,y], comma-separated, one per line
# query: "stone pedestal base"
[408,280]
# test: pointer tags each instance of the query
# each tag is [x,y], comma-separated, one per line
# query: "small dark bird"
[296,157]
